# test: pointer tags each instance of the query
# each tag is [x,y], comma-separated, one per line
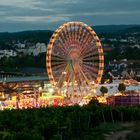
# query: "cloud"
[35,13]
[47,19]
[19,3]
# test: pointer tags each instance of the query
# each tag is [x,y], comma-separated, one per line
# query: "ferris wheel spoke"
[92,65]
[67,33]
[82,33]
[91,58]
[58,67]
[91,52]
[58,44]
[79,32]
[57,56]
[66,37]
[85,40]
[72,31]
[63,46]
[64,33]
[89,69]
[89,44]
[67,43]
[89,48]
[90,75]
[88,63]
[63,51]
[86,43]
[57,59]
[76,32]
[82,36]
[89,40]
[86,37]
[63,38]
[56,63]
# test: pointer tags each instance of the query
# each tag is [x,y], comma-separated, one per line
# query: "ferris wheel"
[75,58]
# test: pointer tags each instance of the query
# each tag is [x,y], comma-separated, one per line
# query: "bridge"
[9,74]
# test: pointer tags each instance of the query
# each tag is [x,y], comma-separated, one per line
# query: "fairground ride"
[75,60]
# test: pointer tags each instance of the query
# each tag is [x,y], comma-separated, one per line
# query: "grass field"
[110,131]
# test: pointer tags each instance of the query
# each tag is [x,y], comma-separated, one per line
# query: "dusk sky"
[19,15]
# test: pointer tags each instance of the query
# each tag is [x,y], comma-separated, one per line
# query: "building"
[7,53]
[34,50]
[126,67]
[130,98]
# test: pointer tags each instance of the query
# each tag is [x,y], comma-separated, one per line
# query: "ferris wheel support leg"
[60,81]
[68,86]
[69,79]
[88,82]
[85,87]
[73,77]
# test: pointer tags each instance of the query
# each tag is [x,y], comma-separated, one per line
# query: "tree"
[103,90]
[122,87]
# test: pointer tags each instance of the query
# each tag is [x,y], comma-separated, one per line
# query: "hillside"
[30,36]
[44,35]
[116,28]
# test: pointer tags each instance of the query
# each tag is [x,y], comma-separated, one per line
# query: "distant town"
[22,49]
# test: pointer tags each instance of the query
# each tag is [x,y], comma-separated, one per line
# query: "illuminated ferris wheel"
[75,58]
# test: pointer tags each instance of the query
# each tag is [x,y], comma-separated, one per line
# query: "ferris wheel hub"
[74,56]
